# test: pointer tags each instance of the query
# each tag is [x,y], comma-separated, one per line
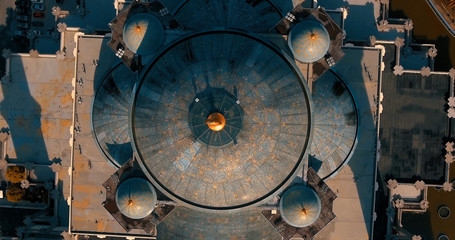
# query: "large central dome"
[220,120]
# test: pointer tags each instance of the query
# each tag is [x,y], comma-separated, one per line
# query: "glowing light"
[216,121]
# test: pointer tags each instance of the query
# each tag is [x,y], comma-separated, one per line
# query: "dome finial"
[313,36]
[216,121]
[138,28]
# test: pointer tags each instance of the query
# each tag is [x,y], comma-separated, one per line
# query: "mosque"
[231,119]
[214,126]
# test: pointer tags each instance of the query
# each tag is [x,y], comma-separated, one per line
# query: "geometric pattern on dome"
[335,125]
[136,198]
[143,33]
[259,16]
[275,125]
[185,223]
[309,41]
[110,114]
[300,206]
[213,101]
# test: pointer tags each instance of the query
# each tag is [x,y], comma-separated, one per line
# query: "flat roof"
[36,108]
[91,168]
[354,183]
[413,123]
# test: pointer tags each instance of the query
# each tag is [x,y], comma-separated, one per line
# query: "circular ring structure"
[215,104]
[271,100]
[443,237]
[444,212]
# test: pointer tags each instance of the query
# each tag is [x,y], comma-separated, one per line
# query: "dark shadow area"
[413,125]
[23,115]
[380,225]
[396,13]
[12,218]
[413,128]
[314,162]
[9,38]
[417,223]
[62,209]
[443,61]
[362,162]
[427,29]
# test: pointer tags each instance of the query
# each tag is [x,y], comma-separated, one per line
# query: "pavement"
[91,167]
[36,108]
[354,183]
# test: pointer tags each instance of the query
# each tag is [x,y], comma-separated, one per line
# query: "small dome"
[309,41]
[143,33]
[300,206]
[136,198]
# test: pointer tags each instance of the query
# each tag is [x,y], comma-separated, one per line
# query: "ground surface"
[354,183]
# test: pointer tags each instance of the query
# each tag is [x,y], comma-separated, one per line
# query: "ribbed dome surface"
[335,125]
[256,16]
[143,33]
[136,198]
[300,206]
[309,41]
[267,120]
[110,114]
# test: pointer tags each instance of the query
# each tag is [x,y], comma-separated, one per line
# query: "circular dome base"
[270,123]
[444,212]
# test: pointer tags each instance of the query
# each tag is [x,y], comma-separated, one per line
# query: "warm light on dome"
[216,121]
[300,206]
[135,198]
[314,36]
[309,41]
[303,212]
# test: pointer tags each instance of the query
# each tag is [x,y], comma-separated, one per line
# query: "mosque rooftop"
[104,100]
